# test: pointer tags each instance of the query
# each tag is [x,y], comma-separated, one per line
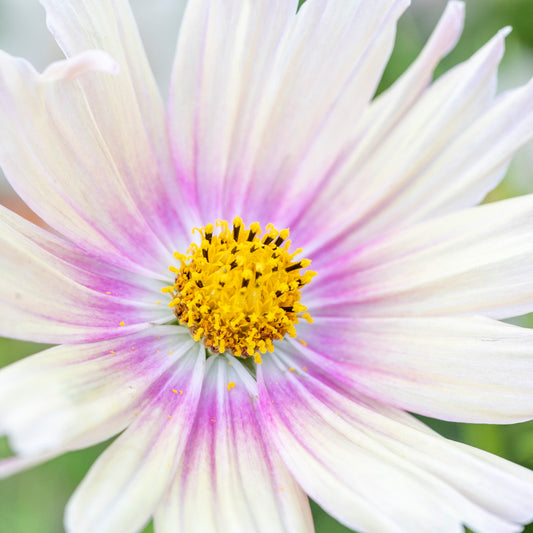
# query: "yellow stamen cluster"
[238,291]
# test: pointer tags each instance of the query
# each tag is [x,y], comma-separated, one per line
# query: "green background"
[33,502]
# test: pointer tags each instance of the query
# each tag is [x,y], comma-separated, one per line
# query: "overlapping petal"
[452,138]
[269,94]
[126,483]
[51,149]
[377,469]
[230,478]
[477,261]
[52,291]
[467,369]
[138,118]
[89,135]
[76,263]
[73,396]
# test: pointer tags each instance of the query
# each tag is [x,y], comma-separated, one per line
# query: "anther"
[283,234]
[255,228]
[296,266]
[209,232]
[237,223]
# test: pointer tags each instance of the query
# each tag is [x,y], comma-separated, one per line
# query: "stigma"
[239,290]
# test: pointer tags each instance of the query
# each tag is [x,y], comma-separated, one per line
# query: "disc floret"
[239,290]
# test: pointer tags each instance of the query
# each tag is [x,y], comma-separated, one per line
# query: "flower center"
[239,291]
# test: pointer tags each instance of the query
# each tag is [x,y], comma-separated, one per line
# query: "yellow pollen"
[231,385]
[239,289]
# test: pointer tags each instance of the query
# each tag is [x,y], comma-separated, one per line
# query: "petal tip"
[89,61]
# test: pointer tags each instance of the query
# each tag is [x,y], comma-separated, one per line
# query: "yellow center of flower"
[238,290]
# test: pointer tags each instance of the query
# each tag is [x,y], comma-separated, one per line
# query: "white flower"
[306,381]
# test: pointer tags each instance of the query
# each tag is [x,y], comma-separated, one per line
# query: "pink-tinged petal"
[394,104]
[477,160]
[231,479]
[69,397]
[66,135]
[26,324]
[51,291]
[378,469]
[109,25]
[124,486]
[467,369]
[454,138]
[343,175]
[476,261]
[252,108]
[77,264]
[398,140]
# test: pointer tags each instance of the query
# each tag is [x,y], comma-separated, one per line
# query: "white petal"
[376,469]
[477,261]
[392,105]
[81,144]
[249,106]
[468,369]
[317,192]
[70,397]
[134,99]
[442,152]
[477,159]
[124,486]
[109,25]
[77,264]
[231,480]
[51,291]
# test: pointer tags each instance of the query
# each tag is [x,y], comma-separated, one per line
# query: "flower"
[239,379]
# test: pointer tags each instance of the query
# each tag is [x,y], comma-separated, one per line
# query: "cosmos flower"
[254,287]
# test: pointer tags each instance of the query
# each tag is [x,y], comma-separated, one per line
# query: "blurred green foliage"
[33,502]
